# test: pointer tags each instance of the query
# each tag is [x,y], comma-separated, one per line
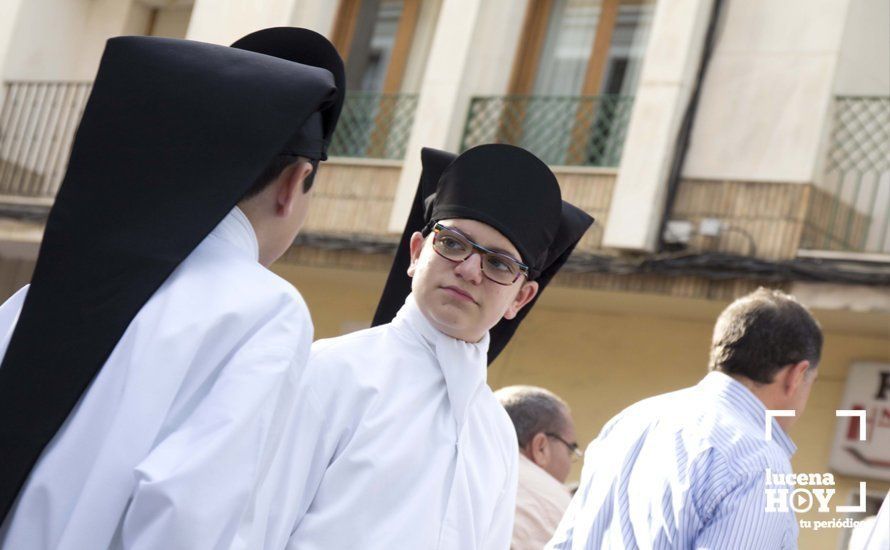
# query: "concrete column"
[57,39]
[444,97]
[9,10]
[224,21]
[317,15]
[864,64]
[766,99]
[668,72]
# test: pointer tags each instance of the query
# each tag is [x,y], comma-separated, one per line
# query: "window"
[574,78]
[375,38]
[566,52]
[582,47]
[625,57]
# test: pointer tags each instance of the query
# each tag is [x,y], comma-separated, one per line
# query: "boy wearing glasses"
[397,441]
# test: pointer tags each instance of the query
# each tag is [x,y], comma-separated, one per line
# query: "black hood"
[505,187]
[173,135]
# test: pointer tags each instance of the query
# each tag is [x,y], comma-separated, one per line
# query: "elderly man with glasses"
[397,440]
[547,447]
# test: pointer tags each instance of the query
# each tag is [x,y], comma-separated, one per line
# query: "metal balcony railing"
[39,118]
[37,125]
[851,210]
[561,130]
[374,125]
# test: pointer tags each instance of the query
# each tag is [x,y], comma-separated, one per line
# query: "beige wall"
[62,39]
[864,64]
[138,19]
[9,11]
[420,46]
[8,16]
[604,351]
[172,22]
[317,15]
[224,21]
[767,92]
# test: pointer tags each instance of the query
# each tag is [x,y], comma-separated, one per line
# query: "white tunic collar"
[237,230]
[464,364]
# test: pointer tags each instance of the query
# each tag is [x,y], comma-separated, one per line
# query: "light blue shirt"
[682,470]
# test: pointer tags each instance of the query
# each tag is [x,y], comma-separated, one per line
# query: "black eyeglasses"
[573,447]
[456,247]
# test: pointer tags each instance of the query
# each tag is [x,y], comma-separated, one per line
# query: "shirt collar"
[539,476]
[738,397]
[237,230]
[464,365]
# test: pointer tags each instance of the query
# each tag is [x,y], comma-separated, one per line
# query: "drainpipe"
[686,124]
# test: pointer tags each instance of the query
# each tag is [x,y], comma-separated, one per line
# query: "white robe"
[172,444]
[398,443]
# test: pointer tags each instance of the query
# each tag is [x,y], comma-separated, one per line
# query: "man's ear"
[290,187]
[415,246]
[539,449]
[526,294]
[794,377]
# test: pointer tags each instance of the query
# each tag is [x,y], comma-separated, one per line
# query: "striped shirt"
[685,469]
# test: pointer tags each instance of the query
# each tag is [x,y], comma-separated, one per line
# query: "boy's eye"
[452,243]
[498,263]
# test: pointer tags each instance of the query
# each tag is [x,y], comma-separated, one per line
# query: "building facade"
[721,146]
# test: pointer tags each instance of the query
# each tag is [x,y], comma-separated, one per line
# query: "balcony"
[39,118]
[850,207]
[561,130]
[37,125]
[374,125]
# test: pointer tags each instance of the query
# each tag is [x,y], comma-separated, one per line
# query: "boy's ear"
[526,294]
[415,246]
[290,187]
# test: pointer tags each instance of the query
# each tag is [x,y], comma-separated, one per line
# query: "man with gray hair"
[547,448]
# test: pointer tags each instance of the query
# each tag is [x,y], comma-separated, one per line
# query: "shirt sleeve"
[199,481]
[742,521]
[500,533]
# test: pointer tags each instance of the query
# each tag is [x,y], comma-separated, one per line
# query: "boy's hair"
[275,168]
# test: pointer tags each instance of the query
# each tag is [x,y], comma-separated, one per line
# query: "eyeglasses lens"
[496,267]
